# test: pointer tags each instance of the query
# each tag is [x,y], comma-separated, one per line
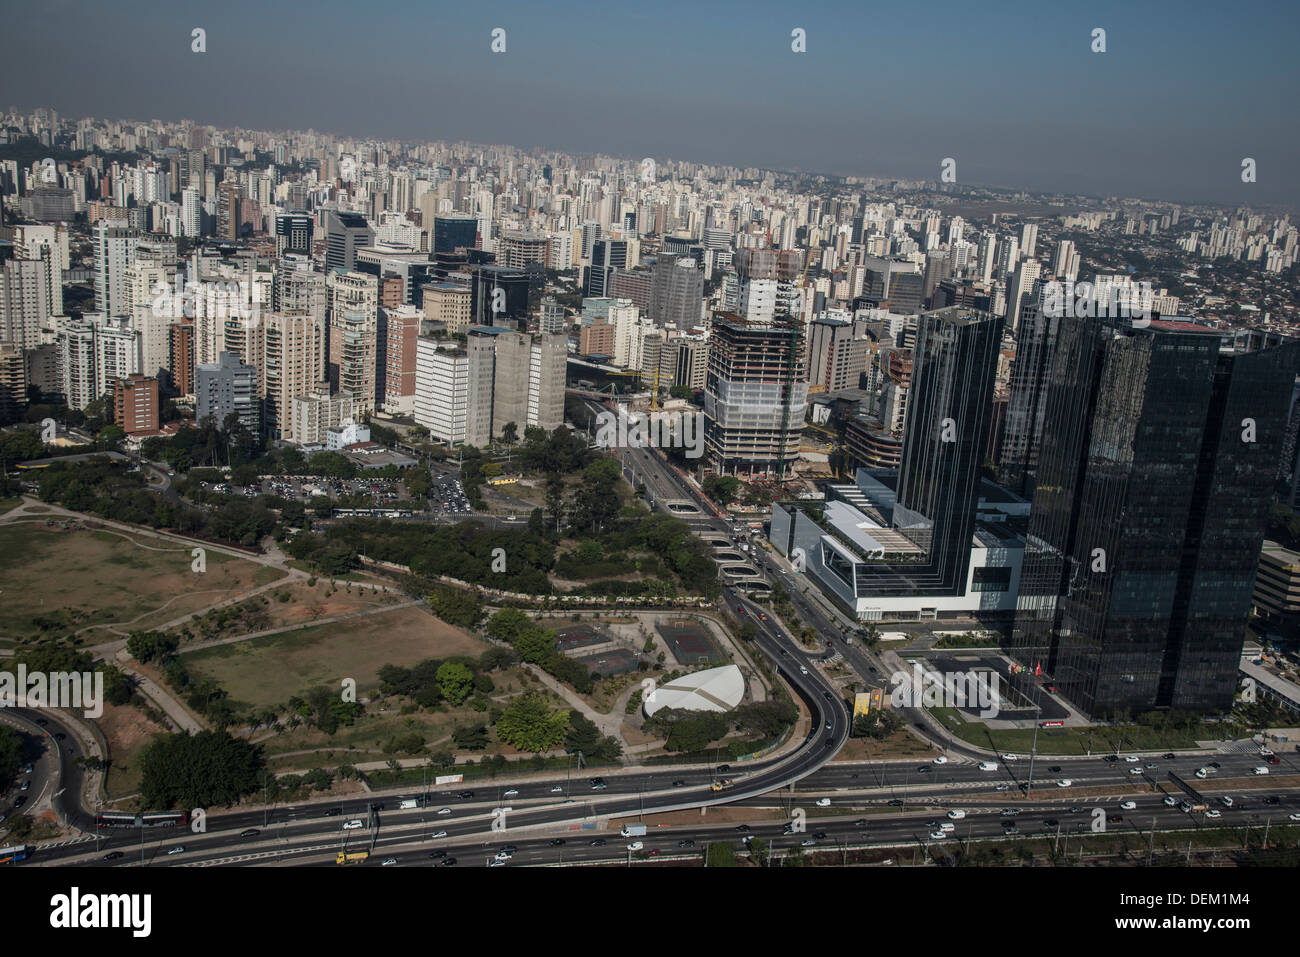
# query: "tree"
[510,433]
[200,770]
[530,724]
[456,682]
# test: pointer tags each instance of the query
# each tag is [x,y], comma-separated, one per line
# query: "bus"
[110,819]
[12,855]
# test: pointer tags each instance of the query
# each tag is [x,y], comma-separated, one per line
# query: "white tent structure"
[717,689]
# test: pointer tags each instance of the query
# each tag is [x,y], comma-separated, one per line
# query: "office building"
[224,387]
[1155,474]
[345,234]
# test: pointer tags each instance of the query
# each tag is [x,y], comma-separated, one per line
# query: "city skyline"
[1031,121]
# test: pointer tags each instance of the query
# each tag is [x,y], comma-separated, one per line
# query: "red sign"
[1052,724]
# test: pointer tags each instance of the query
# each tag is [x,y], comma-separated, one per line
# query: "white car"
[1170,800]
[178,849]
[496,863]
[1214,812]
[1129,806]
[1293,817]
[1265,753]
[809,842]
[956,814]
[1064,783]
[1202,773]
[353,825]
[503,856]
[1131,758]
[444,810]
[635,846]
[389,862]
[938,835]
[1003,787]
[511,793]
[1259,770]
[437,834]
[947,827]
[988,766]
[1227,801]
[1135,771]
[803,670]
[558,789]
[823,802]
[1009,757]
[941,760]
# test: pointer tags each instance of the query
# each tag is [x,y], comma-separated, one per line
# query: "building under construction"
[755,395]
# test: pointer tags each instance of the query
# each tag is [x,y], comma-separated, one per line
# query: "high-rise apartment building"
[227,386]
[114,251]
[135,404]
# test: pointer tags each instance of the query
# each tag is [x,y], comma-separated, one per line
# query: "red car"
[654,852]
[762,617]
[740,610]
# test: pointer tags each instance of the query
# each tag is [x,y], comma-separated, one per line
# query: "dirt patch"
[128,732]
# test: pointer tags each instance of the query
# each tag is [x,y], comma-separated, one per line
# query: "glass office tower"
[1155,474]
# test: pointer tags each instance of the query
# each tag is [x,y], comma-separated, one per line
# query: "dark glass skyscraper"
[454,232]
[1157,462]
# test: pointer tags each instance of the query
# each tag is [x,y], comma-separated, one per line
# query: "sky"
[1010,90]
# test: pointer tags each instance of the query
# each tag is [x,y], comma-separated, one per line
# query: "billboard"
[448,779]
[861,704]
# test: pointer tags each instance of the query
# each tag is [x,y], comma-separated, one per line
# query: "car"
[938,835]
[249,832]
[1009,757]
[1132,758]
[679,784]
[1151,767]
[956,814]
[19,801]
[827,695]
[466,795]
[743,827]
[819,836]
[988,766]
[449,862]
[1272,799]
[1184,806]
[444,810]
[1170,800]
[829,726]
[808,842]
[558,789]
[1275,760]
[803,670]
[496,863]
[1259,770]
[948,827]
[1293,817]
[860,822]
[1109,758]
[1055,769]
[437,834]
[895,802]
[1136,771]
[635,846]
[60,736]
[114,856]
[28,784]
[599,842]
[1202,773]
[940,760]
[1002,787]
[437,854]
[924,769]
[762,616]
[1170,756]
[353,824]
[654,852]
[740,610]
[1129,806]
[389,862]
[1265,753]
[1064,783]
[1009,827]
[1009,811]
[1051,822]
[333,812]
[723,768]
[513,792]
[1214,765]
[1077,810]
[823,802]
[503,856]
[1114,818]
[178,849]
[1214,812]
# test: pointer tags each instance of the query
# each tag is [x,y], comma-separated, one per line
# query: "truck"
[409,803]
[722,785]
[633,830]
[355,857]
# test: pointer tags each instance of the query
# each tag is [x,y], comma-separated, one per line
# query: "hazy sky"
[1010,90]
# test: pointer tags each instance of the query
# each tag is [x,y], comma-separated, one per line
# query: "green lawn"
[1099,740]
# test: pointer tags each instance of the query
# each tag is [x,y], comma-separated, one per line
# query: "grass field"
[77,578]
[267,671]
[1097,740]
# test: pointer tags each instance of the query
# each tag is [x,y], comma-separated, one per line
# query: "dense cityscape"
[381,502]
